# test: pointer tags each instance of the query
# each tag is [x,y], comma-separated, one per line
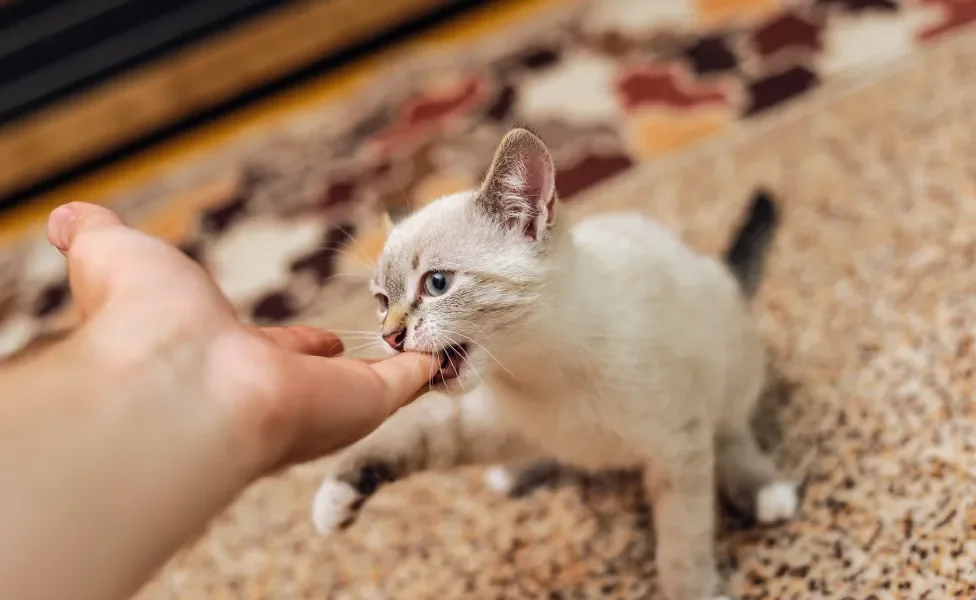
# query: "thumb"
[67,228]
[69,221]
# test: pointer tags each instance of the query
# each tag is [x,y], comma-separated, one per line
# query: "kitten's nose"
[396,339]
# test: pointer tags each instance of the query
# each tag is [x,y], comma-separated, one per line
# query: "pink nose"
[396,339]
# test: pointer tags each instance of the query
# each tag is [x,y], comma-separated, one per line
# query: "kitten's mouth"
[452,359]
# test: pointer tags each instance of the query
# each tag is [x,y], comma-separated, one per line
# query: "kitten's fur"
[608,345]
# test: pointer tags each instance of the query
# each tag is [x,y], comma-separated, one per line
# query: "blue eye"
[436,283]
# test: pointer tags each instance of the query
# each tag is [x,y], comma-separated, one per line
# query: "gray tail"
[746,257]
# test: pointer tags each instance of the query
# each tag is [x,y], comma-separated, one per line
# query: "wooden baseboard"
[199,77]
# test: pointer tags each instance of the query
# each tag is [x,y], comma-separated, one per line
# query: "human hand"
[119,443]
[153,315]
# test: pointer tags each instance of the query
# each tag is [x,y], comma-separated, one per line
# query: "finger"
[70,220]
[305,340]
[403,376]
[338,401]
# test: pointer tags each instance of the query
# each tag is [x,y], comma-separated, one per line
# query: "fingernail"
[59,225]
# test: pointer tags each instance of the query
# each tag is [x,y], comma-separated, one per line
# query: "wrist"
[125,457]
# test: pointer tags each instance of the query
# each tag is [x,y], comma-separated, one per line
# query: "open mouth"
[452,359]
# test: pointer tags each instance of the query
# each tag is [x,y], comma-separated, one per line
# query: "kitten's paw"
[776,502]
[338,500]
[499,479]
[335,504]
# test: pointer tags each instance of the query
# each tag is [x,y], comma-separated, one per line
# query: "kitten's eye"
[384,302]
[437,282]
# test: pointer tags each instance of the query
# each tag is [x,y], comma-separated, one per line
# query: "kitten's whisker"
[441,338]
[416,367]
[359,246]
[539,302]
[361,346]
[358,275]
[454,367]
[467,357]
[352,331]
[487,351]
[365,345]
[406,198]
[360,339]
[353,334]
[366,263]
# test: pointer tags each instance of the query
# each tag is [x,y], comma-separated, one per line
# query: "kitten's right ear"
[520,188]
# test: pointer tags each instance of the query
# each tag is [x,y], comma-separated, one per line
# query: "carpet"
[856,112]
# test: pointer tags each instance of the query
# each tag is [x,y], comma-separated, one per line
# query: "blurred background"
[121,75]
[265,138]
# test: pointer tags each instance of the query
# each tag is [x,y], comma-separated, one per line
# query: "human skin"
[120,443]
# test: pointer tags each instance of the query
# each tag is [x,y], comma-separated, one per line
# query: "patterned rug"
[852,110]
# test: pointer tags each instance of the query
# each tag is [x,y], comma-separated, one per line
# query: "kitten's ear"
[520,188]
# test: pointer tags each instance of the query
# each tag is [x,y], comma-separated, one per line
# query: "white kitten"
[608,345]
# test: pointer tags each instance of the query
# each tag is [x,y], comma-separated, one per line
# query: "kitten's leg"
[434,432]
[525,477]
[682,494]
[749,480]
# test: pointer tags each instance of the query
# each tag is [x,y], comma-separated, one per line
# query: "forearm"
[105,474]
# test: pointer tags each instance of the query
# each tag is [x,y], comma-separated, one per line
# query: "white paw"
[333,504]
[776,502]
[498,479]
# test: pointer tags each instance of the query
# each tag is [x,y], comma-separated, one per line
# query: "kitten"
[607,345]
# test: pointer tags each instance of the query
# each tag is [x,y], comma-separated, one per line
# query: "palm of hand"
[148,307]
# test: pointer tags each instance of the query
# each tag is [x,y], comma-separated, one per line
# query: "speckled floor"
[870,306]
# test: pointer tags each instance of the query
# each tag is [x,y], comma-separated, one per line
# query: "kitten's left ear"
[520,188]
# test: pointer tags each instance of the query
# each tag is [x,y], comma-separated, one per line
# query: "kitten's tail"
[746,257]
